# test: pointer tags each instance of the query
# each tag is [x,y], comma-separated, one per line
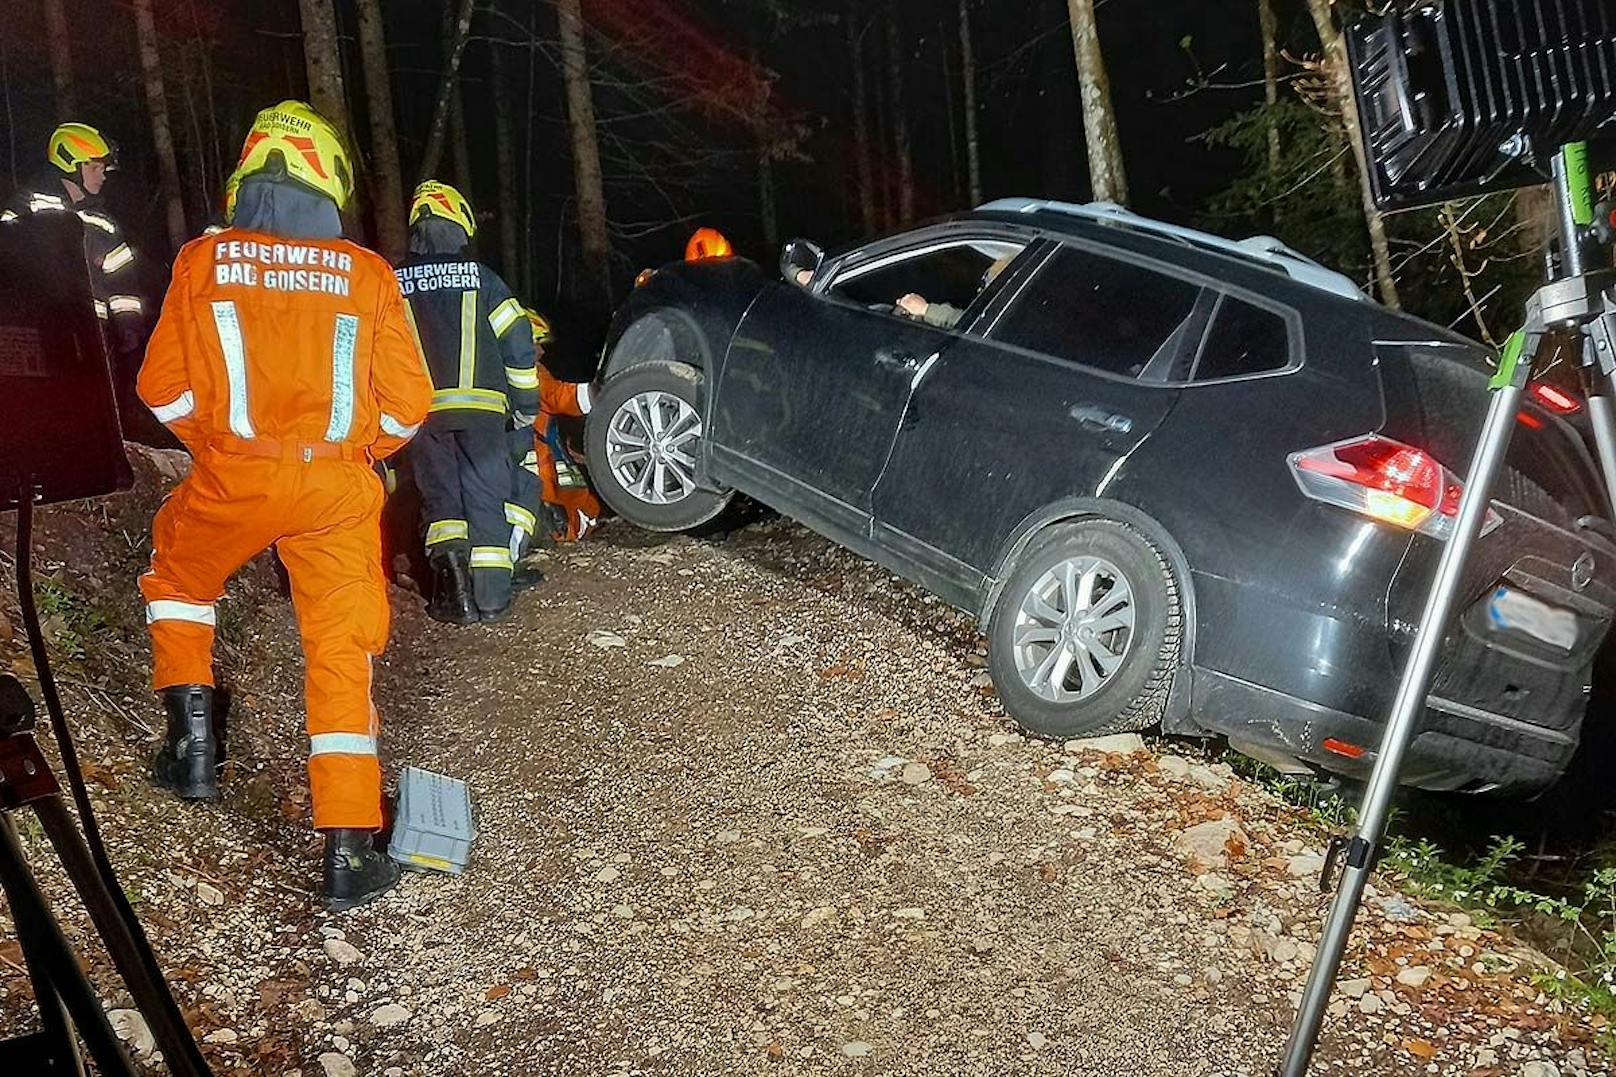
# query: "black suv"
[1182,480]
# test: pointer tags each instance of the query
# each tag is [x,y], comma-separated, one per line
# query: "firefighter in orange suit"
[284,361]
[547,475]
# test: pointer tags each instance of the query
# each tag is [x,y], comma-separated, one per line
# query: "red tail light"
[1386,481]
[1555,398]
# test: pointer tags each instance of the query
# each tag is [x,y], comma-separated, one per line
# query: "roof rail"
[1264,249]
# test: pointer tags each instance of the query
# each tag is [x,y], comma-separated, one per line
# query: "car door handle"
[900,361]
[1094,417]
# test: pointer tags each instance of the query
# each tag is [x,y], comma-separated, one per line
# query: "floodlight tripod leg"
[1408,707]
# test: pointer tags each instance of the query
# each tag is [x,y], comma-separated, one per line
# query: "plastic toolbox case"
[432,827]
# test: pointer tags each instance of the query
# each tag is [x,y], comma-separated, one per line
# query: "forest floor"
[745,806]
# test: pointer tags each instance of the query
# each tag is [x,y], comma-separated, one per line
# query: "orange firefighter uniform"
[286,366]
[562,483]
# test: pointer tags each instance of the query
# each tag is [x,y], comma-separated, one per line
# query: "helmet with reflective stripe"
[707,243]
[542,333]
[75,144]
[434,199]
[294,140]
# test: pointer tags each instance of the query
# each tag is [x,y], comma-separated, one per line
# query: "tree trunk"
[585,149]
[387,177]
[448,85]
[1106,176]
[322,56]
[1270,44]
[168,172]
[61,60]
[956,164]
[460,141]
[215,150]
[768,217]
[973,149]
[1534,208]
[900,121]
[504,167]
[530,276]
[1335,63]
[861,122]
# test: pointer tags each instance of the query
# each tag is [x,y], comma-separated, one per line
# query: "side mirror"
[799,255]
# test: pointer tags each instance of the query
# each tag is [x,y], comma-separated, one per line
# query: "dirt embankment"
[750,807]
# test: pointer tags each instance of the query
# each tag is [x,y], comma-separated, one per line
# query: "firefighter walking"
[480,353]
[284,360]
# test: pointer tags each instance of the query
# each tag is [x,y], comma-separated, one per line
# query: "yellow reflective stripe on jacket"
[469,399]
[522,378]
[468,339]
[117,258]
[506,315]
[446,531]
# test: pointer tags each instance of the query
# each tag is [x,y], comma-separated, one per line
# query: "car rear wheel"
[643,438]
[1084,637]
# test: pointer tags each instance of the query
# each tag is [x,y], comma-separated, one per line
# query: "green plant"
[73,622]
[1430,874]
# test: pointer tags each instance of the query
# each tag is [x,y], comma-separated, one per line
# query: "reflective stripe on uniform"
[473,399]
[446,531]
[517,516]
[468,340]
[393,428]
[583,398]
[38,201]
[235,365]
[103,223]
[173,610]
[117,258]
[7,216]
[522,378]
[490,557]
[341,744]
[531,462]
[505,315]
[415,332]
[343,343]
[126,304]
[178,408]
[101,309]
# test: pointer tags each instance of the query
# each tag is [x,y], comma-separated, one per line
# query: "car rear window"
[1098,311]
[1244,339]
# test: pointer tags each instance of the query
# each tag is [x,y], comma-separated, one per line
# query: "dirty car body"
[1215,402]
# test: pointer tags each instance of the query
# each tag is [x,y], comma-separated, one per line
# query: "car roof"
[1264,252]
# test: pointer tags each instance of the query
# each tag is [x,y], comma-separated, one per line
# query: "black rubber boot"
[452,601]
[188,762]
[356,872]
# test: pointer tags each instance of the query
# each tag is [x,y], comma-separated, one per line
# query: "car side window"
[1244,339]
[935,284]
[1101,312]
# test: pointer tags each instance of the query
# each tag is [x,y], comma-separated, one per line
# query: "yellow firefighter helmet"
[434,199]
[309,149]
[542,333]
[75,144]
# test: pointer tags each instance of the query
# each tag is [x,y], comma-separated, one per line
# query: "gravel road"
[749,806]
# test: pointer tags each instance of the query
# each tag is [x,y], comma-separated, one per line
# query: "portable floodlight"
[1464,97]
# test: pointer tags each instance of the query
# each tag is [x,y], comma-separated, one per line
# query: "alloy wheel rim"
[651,447]
[1074,628]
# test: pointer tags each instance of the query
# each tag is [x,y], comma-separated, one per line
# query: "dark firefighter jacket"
[112,263]
[476,338]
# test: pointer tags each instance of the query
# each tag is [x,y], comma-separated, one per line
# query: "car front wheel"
[1084,636]
[643,438]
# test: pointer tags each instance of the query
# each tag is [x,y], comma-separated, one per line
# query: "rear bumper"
[1457,748]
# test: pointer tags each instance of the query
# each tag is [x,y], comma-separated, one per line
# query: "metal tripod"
[1577,302]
